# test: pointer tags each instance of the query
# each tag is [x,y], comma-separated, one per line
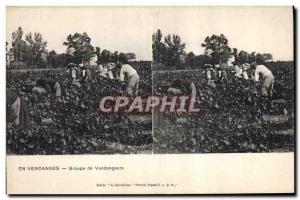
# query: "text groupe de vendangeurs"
[141,104]
[70,168]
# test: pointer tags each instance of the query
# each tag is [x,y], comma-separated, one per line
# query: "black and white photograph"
[57,81]
[238,70]
[57,76]
[150,100]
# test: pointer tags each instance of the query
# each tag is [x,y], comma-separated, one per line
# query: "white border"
[151,2]
[4,3]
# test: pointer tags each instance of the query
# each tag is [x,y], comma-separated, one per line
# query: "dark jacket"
[184,86]
[48,85]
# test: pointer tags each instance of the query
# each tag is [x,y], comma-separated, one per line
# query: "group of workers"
[258,73]
[78,74]
[110,70]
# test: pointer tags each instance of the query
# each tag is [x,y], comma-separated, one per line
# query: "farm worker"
[183,86]
[17,113]
[110,67]
[103,72]
[53,86]
[38,90]
[106,70]
[208,76]
[238,71]
[70,67]
[81,70]
[221,73]
[74,72]
[263,75]
[246,67]
[100,69]
[85,74]
[133,78]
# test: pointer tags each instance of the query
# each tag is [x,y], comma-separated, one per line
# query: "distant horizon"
[102,48]
[255,28]
[130,29]
[60,51]
[63,48]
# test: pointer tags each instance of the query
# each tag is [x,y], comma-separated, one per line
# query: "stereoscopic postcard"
[150,100]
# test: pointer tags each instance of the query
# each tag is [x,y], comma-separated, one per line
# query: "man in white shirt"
[133,78]
[85,73]
[246,67]
[208,76]
[265,76]
[100,70]
[74,74]
[110,67]
[238,71]
[106,70]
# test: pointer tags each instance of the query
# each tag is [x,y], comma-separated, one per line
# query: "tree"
[175,54]
[79,47]
[98,54]
[105,56]
[158,47]
[190,60]
[63,59]
[123,58]
[259,58]
[243,57]
[115,57]
[58,60]
[267,57]
[130,56]
[200,60]
[18,45]
[262,58]
[36,49]
[252,57]
[217,47]
[169,52]
[52,59]
[31,51]
[235,53]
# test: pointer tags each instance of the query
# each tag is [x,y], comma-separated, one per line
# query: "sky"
[116,29]
[129,29]
[260,29]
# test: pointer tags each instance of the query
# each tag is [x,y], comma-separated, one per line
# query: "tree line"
[170,51]
[31,51]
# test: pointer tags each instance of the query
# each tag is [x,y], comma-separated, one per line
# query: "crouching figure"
[17,113]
